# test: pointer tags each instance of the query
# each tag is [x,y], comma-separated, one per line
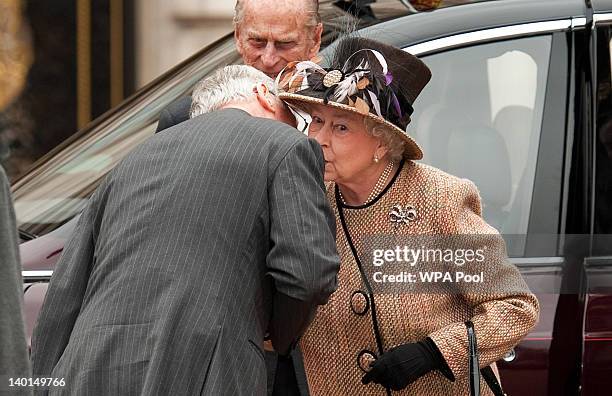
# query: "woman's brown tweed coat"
[343,333]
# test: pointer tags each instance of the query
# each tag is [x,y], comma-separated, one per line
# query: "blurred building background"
[65,62]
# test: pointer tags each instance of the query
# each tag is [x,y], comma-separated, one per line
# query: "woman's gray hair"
[394,143]
[226,85]
[312,12]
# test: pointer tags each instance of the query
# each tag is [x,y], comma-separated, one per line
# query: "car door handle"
[510,356]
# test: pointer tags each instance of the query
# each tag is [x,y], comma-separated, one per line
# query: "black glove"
[404,364]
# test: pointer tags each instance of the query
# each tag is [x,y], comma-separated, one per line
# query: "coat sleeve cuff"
[452,345]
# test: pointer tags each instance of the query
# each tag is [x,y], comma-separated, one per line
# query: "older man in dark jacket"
[267,38]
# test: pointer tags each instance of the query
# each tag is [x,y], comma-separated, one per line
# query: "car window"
[480,118]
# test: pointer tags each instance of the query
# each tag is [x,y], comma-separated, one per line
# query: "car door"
[597,341]
[496,112]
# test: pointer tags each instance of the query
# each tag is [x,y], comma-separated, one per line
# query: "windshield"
[58,186]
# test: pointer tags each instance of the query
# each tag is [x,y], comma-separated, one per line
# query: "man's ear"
[316,45]
[263,97]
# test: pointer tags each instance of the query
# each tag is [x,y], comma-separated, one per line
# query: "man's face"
[273,34]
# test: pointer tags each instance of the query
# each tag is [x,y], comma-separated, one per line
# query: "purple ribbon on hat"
[388,78]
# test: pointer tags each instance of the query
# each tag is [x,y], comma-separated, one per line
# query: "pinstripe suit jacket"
[194,246]
[14,360]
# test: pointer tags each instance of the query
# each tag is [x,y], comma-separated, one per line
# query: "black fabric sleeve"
[441,364]
[175,113]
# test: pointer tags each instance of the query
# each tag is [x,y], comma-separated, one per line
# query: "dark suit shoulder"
[233,132]
[278,130]
[175,113]
[261,131]
[281,139]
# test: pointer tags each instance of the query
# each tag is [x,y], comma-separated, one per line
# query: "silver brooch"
[400,214]
[332,78]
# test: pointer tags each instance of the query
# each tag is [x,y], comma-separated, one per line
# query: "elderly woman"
[367,342]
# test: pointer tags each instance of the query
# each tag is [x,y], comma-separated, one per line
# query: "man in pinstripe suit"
[194,247]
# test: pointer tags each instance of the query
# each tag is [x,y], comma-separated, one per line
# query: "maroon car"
[520,103]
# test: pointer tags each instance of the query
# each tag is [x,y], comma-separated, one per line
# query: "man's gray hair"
[226,85]
[311,16]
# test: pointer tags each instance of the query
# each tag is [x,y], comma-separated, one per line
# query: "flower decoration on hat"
[332,78]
